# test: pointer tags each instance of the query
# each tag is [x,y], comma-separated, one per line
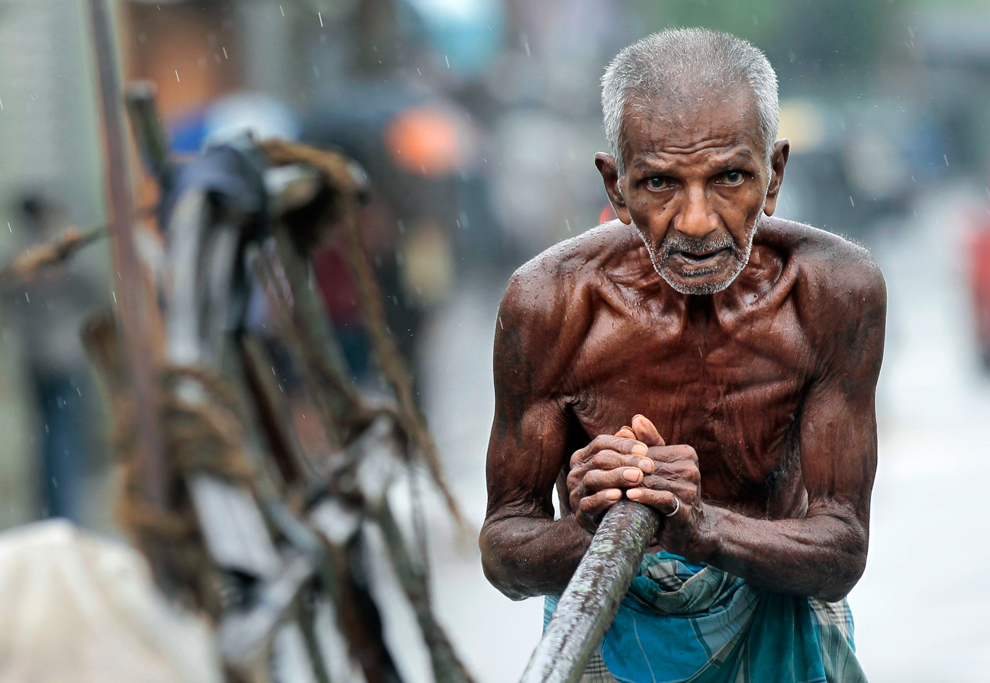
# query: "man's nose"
[696,218]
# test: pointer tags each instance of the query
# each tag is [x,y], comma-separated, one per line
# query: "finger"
[646,431]
[610,460]
[626,433]
[595,505]
[664,501]
[603,480]
[618,444]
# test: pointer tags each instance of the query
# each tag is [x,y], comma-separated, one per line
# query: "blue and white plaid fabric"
[687,623]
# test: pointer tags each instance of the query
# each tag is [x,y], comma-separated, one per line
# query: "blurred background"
[477,122]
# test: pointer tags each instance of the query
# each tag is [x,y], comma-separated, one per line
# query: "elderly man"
[750,344]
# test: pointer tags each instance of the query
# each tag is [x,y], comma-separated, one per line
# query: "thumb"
[626,433]
[646,431]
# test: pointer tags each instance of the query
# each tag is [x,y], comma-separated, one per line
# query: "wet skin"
[764,390]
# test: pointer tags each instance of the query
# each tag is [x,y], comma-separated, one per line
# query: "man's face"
[694,185]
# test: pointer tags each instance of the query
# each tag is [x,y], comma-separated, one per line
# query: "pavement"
[920,607]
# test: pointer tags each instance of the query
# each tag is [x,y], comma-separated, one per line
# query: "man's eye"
[732,177]
[658,183]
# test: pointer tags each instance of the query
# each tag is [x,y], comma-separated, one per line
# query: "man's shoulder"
[551,280]
[831,267]
[839,290]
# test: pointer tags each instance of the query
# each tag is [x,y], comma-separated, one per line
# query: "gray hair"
[666,65]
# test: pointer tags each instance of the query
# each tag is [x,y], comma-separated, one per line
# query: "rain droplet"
[852,202]
[177,75]
[320,15]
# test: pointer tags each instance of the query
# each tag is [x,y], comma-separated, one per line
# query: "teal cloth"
[682,622]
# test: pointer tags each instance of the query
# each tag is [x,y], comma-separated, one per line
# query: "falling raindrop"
[852,202]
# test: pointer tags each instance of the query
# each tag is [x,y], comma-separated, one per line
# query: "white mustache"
[708,245]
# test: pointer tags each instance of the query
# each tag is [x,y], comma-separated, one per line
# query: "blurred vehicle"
[853,165]
[978,248]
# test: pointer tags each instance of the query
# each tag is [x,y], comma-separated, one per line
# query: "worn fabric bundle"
[77,608]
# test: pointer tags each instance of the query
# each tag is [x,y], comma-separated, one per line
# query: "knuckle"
[601,442]
[602,461]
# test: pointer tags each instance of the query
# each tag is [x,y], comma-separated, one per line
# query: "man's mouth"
[692,257]
[693,262]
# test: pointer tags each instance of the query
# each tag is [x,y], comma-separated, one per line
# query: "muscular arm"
[524,551]
[822,555]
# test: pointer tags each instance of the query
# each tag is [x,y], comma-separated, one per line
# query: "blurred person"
[52,307]
[751,344]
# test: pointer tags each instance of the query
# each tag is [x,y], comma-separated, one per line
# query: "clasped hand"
[637,463]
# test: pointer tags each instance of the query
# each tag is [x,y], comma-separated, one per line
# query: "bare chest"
[733,394]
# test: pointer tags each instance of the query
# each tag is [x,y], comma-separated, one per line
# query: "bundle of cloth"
[79,608]
[681,622]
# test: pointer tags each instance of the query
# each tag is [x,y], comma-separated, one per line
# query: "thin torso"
[726,377]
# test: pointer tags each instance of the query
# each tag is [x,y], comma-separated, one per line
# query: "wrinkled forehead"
[691,117]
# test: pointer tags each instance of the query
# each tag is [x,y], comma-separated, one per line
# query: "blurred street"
[921,607]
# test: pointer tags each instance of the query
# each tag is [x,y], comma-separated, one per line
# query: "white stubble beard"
[741,258]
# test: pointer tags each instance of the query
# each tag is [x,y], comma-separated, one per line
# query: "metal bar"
[151,138]
[131,285]
[591,600]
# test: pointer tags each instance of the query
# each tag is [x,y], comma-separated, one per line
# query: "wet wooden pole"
[591,600]
[130,291]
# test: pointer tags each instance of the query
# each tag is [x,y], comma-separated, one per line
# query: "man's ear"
[610,174]
[781,150]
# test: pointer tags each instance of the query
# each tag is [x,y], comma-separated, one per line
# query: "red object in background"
[979,282]
[607,214]
[334,282]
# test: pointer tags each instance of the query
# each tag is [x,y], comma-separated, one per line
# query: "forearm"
[526,557]
[821,556]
